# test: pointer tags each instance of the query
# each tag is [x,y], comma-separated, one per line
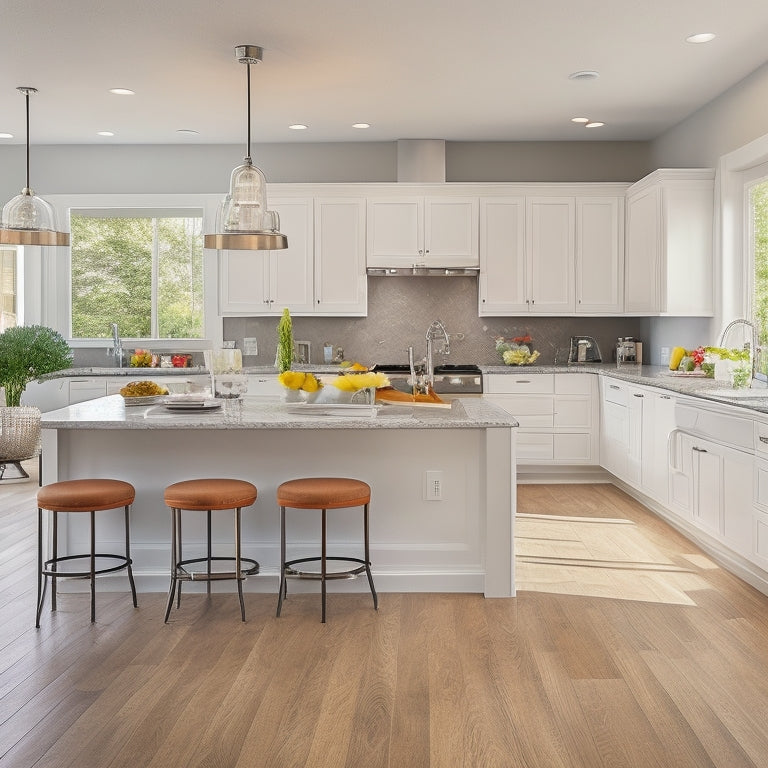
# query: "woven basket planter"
[19,433]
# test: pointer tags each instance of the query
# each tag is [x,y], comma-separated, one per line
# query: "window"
[140,268]
[757,233]
[8,289]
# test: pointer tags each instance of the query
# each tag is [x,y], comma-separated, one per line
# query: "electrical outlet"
[250,346]
[665,355]
[433,485]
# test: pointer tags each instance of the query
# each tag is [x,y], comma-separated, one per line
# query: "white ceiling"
[488,70]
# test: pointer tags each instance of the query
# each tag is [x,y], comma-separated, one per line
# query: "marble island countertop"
[246,413]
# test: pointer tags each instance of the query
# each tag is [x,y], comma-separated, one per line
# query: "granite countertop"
[111,413]
[653,376]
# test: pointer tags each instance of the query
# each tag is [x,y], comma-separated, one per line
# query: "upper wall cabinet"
[669,244]
[551,255]
[422,231]
[322,272]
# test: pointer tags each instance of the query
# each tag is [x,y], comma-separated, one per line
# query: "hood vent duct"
[421,161]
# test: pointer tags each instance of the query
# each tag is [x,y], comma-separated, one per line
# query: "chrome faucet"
[755,350]
[117,346]
[436,332]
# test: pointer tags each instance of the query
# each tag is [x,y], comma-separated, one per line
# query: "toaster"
[584,349]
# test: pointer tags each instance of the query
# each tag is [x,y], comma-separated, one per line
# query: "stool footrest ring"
[47,570]
[183,574]
[350,573]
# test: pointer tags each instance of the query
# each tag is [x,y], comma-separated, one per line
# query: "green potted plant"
[27,352]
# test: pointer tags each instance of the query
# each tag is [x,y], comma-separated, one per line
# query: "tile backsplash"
[400,309]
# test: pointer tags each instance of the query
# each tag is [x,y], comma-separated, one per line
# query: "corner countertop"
[650,375]
[246,413]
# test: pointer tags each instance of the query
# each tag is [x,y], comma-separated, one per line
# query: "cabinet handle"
[763,439]
[637,394]
[699,450]
[614,386]
[522,381]
[665,397]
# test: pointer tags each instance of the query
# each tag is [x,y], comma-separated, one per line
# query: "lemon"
[678,353]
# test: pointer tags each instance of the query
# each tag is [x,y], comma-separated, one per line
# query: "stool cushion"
[323,493]
[85,495]
[210,493]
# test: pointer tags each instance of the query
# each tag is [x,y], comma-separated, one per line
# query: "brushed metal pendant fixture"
[243,221]
[27,219]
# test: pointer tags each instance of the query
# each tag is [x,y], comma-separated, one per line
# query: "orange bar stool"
[324,493]
[207,495]
[84,496]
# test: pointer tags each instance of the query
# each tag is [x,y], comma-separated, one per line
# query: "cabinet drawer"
[615,393]
[529,410]
[574,383]
[536,383]
[761,483]
[761,439]
[570,448]
[534,447]
[81,390]
[573,412]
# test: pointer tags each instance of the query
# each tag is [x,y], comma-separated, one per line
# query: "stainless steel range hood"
[423,271]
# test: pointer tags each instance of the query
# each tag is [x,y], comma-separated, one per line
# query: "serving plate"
[191,405]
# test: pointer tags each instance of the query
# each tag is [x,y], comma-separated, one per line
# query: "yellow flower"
[360,381]
[311,383]
[292,379]
[344,383]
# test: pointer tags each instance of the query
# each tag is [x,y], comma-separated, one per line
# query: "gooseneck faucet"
[117,346]
[436,332]
[755,350]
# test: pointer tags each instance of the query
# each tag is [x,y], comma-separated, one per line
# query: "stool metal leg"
[179,554]
[54,554]
[93,566]
[42,581]
[208,570]
[282,591]
[323,566]
[368,559]
[128,556]
[172,587]
[238,567]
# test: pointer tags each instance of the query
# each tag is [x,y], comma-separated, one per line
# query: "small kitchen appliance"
[584,349]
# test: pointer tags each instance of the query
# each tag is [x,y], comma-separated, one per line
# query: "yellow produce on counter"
[676,357]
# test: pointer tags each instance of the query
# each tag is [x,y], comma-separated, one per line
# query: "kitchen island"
[460,542]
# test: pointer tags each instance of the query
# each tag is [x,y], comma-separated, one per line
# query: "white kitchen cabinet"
[556,413]
[82,389]
[341,285]
[599,269]
[658,423]
[45,395]
[266,282]
[669,267]
[621,419]
[502,283]
[264,386]
[422,231]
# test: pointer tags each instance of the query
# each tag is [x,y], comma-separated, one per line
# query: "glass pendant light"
[28,219]
[242,220]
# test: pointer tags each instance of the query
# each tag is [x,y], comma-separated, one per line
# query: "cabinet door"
[341,286]
[635,435]
[658,423]
[502,283]
[642,258]
[550,246]
[290,270]
[599,255]
[707,487]
[395,232]
[81,390]
[244,282]
[451,231]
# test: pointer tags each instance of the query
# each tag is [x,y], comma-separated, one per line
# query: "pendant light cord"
[248,69]
[26,97]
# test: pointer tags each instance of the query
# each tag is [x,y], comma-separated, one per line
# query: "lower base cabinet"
[556,413]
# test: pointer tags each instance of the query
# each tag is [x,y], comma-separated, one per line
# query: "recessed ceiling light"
[594,124]
[298,127]
[579,119]
[188,131]
[584,74]
[122,91]
[6,135]
[701,37]
[361,125]
[105,133]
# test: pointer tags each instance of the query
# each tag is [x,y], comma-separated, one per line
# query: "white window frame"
[54,275]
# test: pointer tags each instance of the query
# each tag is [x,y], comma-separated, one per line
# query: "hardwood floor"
[626,646]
